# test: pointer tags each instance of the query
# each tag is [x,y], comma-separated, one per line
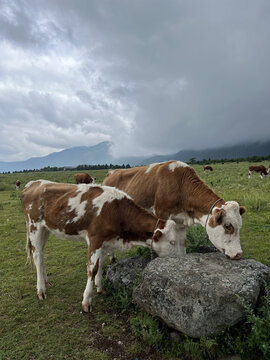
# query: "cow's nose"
[238,255]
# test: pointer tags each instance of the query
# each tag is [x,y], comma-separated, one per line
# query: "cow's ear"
[216,218]
[242,209]
[157,235]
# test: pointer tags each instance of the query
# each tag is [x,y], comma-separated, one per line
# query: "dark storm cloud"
[153,77]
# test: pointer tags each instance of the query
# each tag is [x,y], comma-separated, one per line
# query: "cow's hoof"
[86,308]
[42,295]
[101,292]
[48,284]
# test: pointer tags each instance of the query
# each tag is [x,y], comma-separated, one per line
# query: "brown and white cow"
[105,217]
[17,184]
[84,178]
[173,190]
[259,169]
[207,167]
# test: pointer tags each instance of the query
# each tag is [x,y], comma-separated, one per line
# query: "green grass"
[55,328]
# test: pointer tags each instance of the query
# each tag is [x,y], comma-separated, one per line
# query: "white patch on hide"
[42,182]
[172,240]
[172,166]
[109,194]
[111,171]
[75,203]
[151,166]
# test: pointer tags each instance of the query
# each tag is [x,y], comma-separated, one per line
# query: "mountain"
[229,152]
[100,154]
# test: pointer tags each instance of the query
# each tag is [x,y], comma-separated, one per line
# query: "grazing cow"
[18,184]
[259,169]
[172,190]
[207,167]
[84,178]
[105,217]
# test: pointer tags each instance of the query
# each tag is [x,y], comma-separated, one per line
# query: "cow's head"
[223,228]
[166,241]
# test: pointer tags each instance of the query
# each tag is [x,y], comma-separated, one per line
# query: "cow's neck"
[199,205]
[141,222]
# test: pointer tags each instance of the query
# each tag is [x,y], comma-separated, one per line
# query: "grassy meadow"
[56,328]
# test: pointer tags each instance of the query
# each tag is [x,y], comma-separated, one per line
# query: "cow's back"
[146,184]
[63,207]
[135,182]
[39,195]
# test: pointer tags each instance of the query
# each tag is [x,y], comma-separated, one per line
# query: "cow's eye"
[229,229]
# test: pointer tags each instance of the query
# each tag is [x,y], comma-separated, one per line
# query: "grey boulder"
[127,271]
[199,294]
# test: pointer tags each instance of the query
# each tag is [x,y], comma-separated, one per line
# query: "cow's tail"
[28,249]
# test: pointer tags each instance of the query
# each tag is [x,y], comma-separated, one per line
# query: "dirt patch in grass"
[119,344]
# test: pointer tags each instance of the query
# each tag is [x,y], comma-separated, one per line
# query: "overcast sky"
[152,76]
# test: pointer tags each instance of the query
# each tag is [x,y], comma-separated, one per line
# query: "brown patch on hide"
[33,228]
[216,218]
[157,235]
[95,270]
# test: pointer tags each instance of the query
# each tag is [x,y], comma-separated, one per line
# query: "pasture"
[55,328]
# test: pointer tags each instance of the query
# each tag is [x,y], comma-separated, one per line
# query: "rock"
[126,271]
[199,294]
[177,337]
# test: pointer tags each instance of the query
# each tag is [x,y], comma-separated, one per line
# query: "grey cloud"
[150,76]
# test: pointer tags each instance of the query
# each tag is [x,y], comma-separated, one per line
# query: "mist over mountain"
[243,150]
[100,154]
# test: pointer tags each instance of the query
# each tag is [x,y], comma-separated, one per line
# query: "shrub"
[251,337]
[259,336]
[122,295]
[147,329]
[196,236]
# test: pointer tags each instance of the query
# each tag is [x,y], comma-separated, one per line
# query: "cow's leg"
[38,237]
[92,269]
[181,240]
[98,277]
[249,174]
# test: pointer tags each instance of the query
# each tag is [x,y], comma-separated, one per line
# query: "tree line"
[77,168]
[191,161]
[254,158]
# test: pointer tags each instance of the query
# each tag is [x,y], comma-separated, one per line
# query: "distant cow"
[173,190]
[207,167]
[105,217]
[84,178]
[259,169]
[18,184]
